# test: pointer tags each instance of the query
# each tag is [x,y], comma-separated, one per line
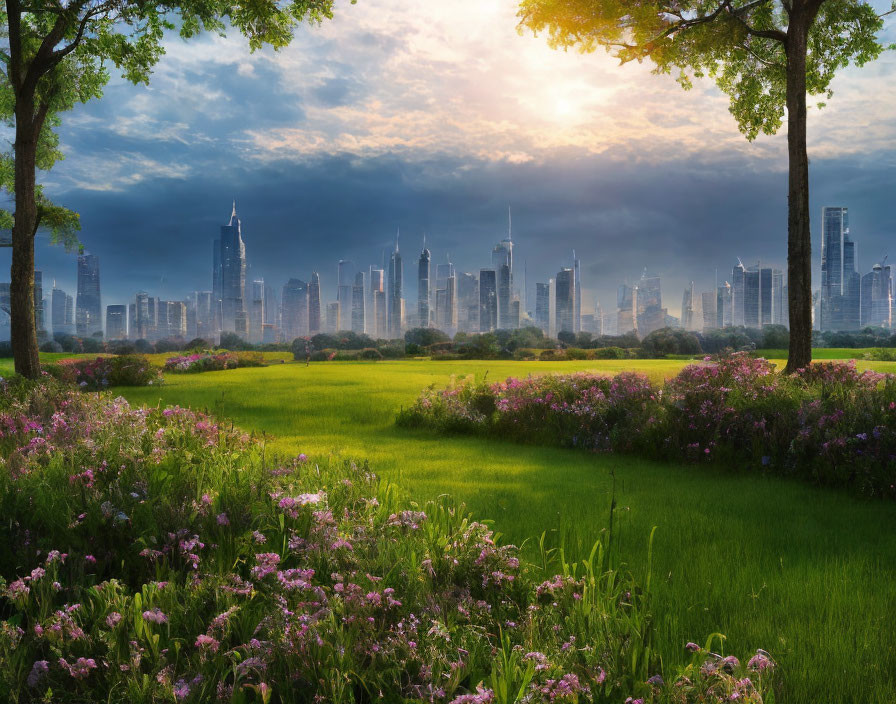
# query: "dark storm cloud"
[681,220]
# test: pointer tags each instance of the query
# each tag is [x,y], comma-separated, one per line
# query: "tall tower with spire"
[502,263]
[424,271]
[229,280]
[395,302]
[314,325]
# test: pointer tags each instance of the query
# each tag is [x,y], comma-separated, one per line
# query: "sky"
[434,118]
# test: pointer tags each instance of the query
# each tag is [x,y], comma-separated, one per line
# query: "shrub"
[828,423]
[102,372]
[212,362]
[153,555]
[370,353]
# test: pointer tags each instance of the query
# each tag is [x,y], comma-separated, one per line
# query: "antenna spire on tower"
[509,226]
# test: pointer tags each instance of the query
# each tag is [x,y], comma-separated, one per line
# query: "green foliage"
[668,341]
[424,337]
[730,545]
[741,45]
[157,553]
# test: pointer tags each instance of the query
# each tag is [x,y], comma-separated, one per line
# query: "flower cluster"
[102,372]
[830,422]
[211,362]
[355,594]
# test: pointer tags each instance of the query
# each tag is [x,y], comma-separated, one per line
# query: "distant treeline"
[524,343]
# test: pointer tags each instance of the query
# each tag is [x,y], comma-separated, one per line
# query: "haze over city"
[391,117]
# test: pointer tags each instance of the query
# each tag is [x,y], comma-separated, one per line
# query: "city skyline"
[353,145]
[370,301]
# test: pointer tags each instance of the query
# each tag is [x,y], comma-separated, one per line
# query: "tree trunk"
[21,288]
[799,234]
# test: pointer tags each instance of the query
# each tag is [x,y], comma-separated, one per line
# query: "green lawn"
[808,574]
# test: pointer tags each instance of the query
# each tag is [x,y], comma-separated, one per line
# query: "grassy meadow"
[806,573]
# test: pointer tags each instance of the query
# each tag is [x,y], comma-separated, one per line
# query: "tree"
[766,55]
[55,54]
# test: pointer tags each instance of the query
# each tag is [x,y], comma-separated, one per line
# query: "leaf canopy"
[741,45]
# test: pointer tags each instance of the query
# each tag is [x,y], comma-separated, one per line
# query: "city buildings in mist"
[373,298]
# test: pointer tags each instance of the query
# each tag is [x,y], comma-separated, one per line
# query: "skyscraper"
[256,311]
[710,310]
[840,294]
[334,317]
[689,319]
[488,300]
[877,297]
[88,310]
[345,276]
[234,314]
[395,305]
[423,291]
[294,309]
[377,325]
[627,309]
[357,302]
[566,300]
[468,302]
[446,298]
[737,294]
[651,314]
[204,315]
[543,307]
[314,310]
[502,263]
[61,307]
[116,322]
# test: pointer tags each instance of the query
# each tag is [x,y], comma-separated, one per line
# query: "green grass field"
[809,574]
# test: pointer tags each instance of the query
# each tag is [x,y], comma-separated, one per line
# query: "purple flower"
[38,671]
[692,647]
[208,643]
[154,615]
[80,669]
[656,680]
[223,520]
[113,619]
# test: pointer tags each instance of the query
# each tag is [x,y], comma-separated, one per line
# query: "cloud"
[435,116]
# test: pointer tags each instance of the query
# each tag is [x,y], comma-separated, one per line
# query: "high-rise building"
[202,300]
[232,257]
[395,305]
[378,325]
[61,311]
[488,300]
[751,298]
[877,297]
[710,302]
[88,311]
[689,318]
[566,300]
[423,291]
[256,311]
[468,302]
[358,316]
[144,321]
[334,317]
[627,309]
[543,307]
[737,294]
[314,310]
[724,305]
[171,321]
[116,322]
[840,294]
[502,263]
[446,302]
[294,308]
[345,276]
[651,314]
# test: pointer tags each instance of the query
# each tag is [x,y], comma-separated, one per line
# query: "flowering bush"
[153,556]
[211,362]
[828,422]
[102,372]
